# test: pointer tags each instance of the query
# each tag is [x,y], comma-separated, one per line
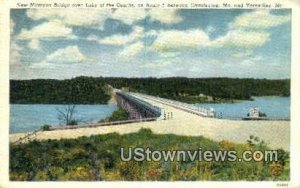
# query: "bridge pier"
[136,108]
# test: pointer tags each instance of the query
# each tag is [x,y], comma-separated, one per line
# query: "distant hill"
[91,90]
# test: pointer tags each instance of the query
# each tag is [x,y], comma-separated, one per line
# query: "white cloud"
[15,53]
[259,19]
[129,16]
[92,38]
[15,49]
[132,44]
[52,29]
[12,26]
[247,31]
[97,18]
[132,50]
[157,64]
[163,60]
[34,44]
[251,61]
[87,17]
[151,33]
[119,39]
[241,39]
[242,54]
[196,39]
[169,55]
[42,65]
[166,16]
[210,29]
[72,17]
[175,40]
[70,54]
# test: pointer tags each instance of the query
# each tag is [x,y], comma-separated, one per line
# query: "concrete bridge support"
[136,108]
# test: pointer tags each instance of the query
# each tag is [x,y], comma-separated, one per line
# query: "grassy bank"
[117,115]
[98,158]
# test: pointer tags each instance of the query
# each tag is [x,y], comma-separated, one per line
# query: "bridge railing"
[207,112]
[27,137]
[110,123]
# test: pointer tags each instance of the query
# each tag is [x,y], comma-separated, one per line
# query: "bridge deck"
[275,133]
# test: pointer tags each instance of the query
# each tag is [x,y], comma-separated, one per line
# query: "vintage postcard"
[131,94]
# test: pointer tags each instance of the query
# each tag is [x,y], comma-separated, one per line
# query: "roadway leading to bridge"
[275,133]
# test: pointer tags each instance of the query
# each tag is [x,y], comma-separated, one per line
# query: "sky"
[66,43]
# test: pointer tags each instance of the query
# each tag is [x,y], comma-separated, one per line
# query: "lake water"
[24,118]
[29,117]
[273,107]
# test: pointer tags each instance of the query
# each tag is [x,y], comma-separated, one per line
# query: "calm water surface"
[29,117]
[273,107]
[24,118]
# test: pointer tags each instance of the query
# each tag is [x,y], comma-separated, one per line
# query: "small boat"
[255,114]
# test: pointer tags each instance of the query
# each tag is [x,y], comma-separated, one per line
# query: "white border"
[5,6]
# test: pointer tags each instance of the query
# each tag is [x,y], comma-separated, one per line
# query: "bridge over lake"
[165,116]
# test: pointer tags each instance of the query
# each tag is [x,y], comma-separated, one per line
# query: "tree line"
[91,90]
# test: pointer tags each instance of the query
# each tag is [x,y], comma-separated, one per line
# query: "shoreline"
[275,133]
[112,101]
